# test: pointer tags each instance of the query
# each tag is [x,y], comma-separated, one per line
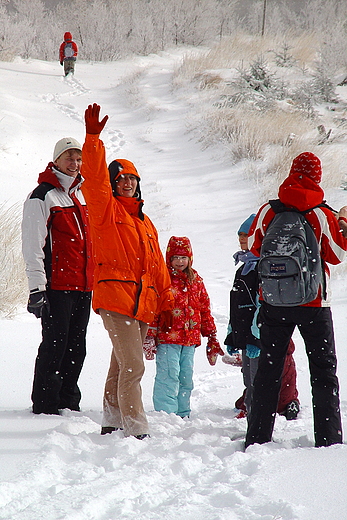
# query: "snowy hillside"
[55,468]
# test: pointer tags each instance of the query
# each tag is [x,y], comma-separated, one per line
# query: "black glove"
[37,300]
[61,63]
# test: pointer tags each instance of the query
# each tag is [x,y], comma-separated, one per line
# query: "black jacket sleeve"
[243,304]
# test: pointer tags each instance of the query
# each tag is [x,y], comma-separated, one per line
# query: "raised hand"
[91,117]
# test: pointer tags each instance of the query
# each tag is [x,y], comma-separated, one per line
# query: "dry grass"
[269,177]
[304,48]
[277,167]
[249,133]
[266,140]
[241,49]
[130,85]
[13,283]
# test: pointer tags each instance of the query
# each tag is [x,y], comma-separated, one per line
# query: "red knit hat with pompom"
[307,164]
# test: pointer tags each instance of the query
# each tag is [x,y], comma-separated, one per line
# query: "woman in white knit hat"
[57,253]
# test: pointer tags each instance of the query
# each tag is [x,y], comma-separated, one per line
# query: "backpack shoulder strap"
[277,206]
[321,205]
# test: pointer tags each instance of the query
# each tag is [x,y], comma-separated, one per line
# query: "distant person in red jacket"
[68,53]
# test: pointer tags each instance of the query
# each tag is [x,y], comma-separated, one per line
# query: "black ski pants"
[276,328]
[62,352]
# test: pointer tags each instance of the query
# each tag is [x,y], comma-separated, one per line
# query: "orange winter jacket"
[131,277]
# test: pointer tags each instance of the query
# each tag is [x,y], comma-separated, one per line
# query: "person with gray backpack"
[68,53]
[295,238]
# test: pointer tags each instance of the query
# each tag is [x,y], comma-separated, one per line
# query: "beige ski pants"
[122,404]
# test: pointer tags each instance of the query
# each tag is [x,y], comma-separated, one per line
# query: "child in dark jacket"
[175,346]
[244,333]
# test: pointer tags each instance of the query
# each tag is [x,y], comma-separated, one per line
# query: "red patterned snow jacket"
[192,316]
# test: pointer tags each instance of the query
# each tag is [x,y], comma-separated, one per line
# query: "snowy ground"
[56,468]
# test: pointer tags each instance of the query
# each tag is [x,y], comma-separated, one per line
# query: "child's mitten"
[213,349]
[252,351]
[149,347]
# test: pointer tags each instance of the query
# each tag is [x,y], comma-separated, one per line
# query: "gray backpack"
[290,265]
[68,50]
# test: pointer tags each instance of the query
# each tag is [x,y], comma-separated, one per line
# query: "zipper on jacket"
[78,225]
[137,299]
[82,211]
[117,280]
[154,289]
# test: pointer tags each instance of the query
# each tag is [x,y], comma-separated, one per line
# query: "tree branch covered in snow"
[106,30]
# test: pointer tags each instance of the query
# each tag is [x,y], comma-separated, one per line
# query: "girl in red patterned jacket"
[191,318]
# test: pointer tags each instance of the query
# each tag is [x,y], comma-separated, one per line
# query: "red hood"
[300,192]
[67,37]
[179,246]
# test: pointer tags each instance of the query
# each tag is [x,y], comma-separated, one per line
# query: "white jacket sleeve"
[34,234]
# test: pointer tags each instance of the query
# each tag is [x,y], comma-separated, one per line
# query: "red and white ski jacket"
[56,241]
[301,192]
[73,48]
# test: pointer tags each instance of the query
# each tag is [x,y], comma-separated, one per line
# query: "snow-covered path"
[56,468]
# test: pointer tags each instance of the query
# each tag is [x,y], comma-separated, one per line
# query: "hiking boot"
[292,410]
[141,436]
[240,402]
[47,411]
[72,408]
[108,429]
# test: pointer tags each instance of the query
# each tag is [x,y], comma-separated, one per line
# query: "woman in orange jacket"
[132,283]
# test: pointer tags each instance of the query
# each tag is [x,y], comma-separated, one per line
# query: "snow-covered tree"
[30,18]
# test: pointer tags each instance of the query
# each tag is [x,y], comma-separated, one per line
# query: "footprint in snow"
[77,86]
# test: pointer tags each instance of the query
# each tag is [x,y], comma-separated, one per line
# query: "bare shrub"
[13,283]
[230,52]
[334,166]
[304,48]
[249,133]
[208,80]
[271,173]
[265,116]
[109,30]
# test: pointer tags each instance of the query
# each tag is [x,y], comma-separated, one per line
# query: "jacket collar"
[58,179]
[131,205]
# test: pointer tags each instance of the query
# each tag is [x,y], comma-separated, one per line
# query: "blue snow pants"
[173,383]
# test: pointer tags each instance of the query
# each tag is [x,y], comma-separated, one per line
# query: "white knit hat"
[67,143]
